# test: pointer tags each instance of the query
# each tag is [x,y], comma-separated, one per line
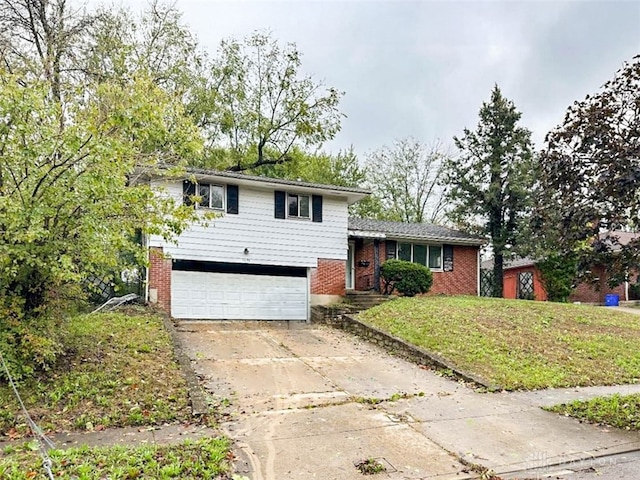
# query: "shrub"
[558,274]
[406,277]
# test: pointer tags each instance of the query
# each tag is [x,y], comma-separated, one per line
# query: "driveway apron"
[308,401]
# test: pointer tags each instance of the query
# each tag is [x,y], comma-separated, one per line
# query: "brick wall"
[594,293]
[364,252]
[464,278]
[160,278]
[329,277]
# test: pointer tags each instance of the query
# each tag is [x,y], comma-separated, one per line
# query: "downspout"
[146,269]
[376,265]
[478,273]
[626,290]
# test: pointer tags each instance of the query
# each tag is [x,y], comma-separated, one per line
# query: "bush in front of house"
[407,278]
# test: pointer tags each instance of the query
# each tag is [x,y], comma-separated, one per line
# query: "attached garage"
[238,292]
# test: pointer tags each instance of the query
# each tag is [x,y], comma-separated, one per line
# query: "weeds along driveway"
[304,404]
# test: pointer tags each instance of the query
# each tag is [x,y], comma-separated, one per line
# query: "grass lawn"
[205,458]
[519,344]
[620,411]
[120,371]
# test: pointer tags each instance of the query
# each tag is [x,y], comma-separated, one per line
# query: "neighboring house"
[523,280]
[277,247]
[452,256]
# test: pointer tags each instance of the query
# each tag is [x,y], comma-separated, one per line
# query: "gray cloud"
[424,68]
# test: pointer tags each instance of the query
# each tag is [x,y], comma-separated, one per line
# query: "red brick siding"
[364,252]
[464,278]
[160,277]
[588,293]
[584,292]
[329,277]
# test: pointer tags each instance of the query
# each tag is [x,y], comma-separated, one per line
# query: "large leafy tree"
[591,177]
[70,208]
[264,106]
[405,181]
[489,184]
[70,144]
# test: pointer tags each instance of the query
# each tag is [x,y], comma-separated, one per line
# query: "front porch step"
[366,300]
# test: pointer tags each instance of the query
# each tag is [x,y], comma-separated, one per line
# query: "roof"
[617,239]
[509,264]
[368,228]
[351,193]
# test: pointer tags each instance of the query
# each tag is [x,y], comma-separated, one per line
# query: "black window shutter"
[316,202]
[447,260]
[232,199]
[391,249]
[188,191]
[280,202]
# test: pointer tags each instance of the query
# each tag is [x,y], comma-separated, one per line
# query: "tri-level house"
[277,246]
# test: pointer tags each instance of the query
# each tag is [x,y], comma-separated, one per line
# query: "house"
[452,256]
[523,279]
[279,246]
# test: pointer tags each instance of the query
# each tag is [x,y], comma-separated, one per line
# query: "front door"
[350,268]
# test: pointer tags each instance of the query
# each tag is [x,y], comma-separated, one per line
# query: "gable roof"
[351,193]
[368,228]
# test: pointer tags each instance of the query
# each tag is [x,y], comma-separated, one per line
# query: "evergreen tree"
[489,183]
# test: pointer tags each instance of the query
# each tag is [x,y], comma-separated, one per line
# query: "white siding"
[270,241]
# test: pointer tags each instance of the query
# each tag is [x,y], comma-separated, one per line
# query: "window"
[298,205]
[435,257]
[429,255]
[207,196]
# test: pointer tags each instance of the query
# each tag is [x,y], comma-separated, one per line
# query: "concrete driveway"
[308,401]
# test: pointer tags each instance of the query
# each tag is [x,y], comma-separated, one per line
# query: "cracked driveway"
[300,408]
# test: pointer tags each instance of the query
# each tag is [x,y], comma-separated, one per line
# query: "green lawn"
[207,458]
[620,411]
[519,344]
[120,371]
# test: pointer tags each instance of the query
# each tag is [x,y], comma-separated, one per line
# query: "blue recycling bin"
[611,300]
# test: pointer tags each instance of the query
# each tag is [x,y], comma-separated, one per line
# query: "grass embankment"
[620,411]
[120,371]
[519,344]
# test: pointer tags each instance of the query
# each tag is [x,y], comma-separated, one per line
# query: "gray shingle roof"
[426,231]
[280,181]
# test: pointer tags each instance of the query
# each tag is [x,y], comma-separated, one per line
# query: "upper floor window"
[298,205]
[204,195]
[429,255]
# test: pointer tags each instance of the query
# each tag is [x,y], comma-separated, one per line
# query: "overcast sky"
[423,68]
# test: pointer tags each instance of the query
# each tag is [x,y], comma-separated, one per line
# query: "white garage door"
[236,296]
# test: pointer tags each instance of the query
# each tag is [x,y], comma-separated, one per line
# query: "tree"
[42,37]
[491,180]
[590,177]
[69,208]
[405,180]
[264,107]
